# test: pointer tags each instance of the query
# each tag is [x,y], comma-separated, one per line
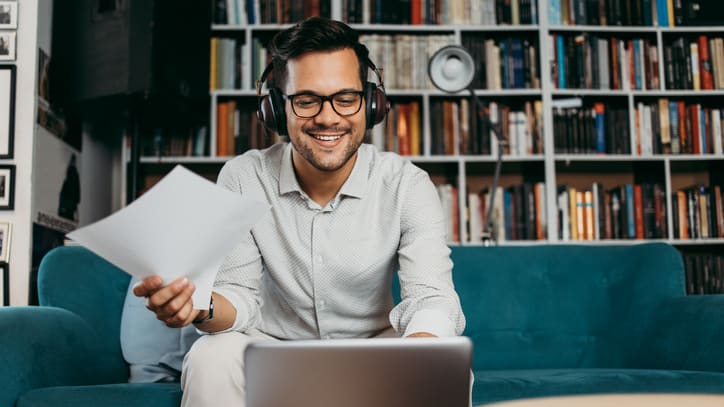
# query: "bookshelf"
[554,74]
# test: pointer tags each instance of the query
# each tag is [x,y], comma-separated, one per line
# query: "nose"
[327,115]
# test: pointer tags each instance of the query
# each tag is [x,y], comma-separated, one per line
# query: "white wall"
[30,13]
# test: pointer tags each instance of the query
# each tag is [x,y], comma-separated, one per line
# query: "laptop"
[394,372]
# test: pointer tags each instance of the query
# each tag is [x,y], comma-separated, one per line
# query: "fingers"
[172,304]
[147,286]
[183,317]
[168,293]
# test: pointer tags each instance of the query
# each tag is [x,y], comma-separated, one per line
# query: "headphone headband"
[271,107]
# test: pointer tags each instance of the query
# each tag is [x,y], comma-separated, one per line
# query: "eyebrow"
[311,92]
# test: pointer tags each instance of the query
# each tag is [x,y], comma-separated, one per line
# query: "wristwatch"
[208,316]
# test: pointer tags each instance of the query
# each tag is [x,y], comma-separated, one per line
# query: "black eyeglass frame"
[324,98]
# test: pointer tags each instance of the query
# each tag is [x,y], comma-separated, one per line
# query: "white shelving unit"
[552,166]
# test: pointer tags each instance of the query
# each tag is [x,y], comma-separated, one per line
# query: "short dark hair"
[314,34]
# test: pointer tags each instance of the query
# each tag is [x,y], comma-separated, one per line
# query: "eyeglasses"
[308,105]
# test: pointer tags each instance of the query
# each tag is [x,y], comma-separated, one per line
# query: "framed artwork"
[5,270]
[7,186]
[7,110]
[5,230]
[7,45]
[8,15]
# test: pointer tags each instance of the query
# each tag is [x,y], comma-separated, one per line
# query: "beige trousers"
[213,369]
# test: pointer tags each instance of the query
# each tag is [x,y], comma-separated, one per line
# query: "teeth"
[327,138]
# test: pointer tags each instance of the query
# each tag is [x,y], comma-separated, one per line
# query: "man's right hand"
[172,304]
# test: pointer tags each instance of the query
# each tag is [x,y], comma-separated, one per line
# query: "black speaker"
[104,49]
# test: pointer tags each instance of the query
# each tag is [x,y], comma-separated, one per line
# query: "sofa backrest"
[74,278]
[562,306]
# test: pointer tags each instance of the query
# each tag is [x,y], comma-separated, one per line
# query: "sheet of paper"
[184,226]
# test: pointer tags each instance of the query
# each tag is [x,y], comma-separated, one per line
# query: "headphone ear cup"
[265,114]
[278,115]
[377,104]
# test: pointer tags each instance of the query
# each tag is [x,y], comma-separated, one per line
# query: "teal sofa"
[544,319]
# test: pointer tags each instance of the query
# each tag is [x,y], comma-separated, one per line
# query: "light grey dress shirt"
[306,271]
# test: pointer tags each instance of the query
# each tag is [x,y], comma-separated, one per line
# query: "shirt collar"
[355,185]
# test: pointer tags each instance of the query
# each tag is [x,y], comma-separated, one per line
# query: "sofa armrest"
[48,346]
[687,333]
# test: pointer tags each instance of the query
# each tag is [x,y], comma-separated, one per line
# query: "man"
[344,219]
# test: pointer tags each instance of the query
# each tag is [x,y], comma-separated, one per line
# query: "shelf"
[570,158]
[429,28]
[604,28]
[233,92]
[692,29]
[607,242]
[184,160]
[677,93]
[590,92]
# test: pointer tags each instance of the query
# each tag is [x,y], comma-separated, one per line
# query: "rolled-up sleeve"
[239,278]
[429,302]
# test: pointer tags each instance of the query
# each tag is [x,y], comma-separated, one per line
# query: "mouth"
[322,137]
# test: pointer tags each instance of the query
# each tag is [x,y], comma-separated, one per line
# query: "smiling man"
[345,218]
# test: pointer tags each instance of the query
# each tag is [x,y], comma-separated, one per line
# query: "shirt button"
[322,303]
[319,260]
[327,337]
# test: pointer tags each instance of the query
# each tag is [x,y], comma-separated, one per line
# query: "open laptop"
[385,372]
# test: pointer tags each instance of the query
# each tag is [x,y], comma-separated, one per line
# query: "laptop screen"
[359,372]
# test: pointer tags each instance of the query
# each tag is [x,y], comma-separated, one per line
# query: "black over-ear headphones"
[271,106]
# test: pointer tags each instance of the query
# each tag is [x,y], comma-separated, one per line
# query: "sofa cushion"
[107,395]
[498,385]
[154,352]
[562,306]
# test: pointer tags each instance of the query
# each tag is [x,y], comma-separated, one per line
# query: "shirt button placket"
[317,275]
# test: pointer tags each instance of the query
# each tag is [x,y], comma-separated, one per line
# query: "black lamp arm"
[487,234]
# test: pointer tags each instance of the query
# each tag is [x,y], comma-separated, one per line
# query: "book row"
[698,212]
[187,142]
[629,211]
[600,129]
[242,12]
[677,127]
[503,63]
[476,12]
[227,62]
[661,13]
[695,63]
[704,273]
[518,213]
[457,129]
[403,58]
[238,130]
[588,61]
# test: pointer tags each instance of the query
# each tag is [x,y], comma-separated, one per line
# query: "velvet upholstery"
[544,319]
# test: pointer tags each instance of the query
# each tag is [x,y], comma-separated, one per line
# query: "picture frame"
[7,187]
[5,240]
[5,270]
[7,45]
[8,15]
[7,110]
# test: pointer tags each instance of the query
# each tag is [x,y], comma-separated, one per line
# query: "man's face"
[328,140]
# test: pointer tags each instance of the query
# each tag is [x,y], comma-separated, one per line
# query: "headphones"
[271,107]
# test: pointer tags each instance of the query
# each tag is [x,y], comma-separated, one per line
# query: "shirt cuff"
[433,321]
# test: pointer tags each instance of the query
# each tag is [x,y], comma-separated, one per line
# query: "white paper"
[184,226]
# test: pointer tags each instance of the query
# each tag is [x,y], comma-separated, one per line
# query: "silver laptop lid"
[391,372]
